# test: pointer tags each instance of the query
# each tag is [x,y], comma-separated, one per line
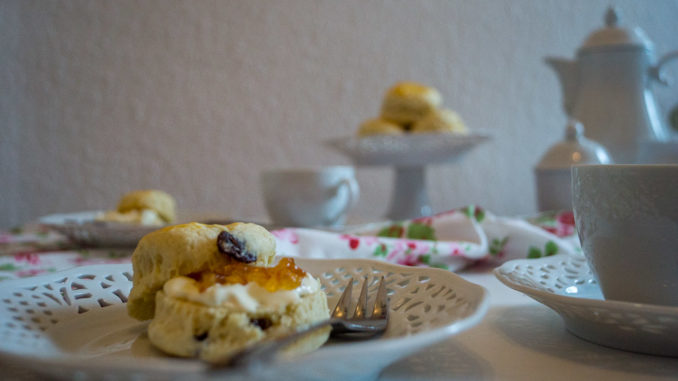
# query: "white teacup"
[627,220]
[307,197]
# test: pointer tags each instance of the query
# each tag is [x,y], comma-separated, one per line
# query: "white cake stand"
[409,155]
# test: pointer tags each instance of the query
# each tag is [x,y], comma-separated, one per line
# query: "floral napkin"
[34,250]
[451,240]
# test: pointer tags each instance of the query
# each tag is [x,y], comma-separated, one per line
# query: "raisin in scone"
[212,290]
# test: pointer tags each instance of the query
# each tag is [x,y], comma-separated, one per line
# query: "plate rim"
[500,272]
[68,362]
[356,146]
[473,135]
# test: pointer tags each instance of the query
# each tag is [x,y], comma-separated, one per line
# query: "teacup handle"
[353,195]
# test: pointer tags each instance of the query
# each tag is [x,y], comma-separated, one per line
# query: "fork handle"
[264,352]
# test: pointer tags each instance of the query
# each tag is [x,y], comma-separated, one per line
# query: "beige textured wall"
[196,97]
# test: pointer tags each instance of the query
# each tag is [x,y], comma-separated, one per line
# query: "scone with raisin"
[212,290]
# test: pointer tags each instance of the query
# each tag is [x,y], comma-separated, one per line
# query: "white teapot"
[608,89]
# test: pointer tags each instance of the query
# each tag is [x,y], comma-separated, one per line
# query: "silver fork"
[363,324]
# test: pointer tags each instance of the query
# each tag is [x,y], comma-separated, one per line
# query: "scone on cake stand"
[413,131]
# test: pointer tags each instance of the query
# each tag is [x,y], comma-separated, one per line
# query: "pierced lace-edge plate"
[409,149]
[84,229]
[74,324]
[566,284]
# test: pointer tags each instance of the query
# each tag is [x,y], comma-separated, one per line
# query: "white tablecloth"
[521,339]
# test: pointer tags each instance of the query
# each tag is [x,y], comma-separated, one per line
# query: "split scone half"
[213,290]
[149,199]
[149,207]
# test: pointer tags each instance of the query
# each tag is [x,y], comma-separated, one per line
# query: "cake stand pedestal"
[408,155]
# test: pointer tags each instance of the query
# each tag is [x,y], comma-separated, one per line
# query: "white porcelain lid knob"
[611,17]
[574,149]
[574,131]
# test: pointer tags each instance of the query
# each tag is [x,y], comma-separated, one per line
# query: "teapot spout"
[568,74]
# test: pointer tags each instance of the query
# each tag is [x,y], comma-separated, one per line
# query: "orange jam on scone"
[239,284]
[286,275]
[242,287]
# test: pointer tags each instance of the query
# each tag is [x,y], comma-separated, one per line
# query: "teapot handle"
[656,70]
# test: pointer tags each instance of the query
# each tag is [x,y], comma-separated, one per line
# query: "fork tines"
[379,308]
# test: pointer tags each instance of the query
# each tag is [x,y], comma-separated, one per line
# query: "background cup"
[627,220]
[310,197]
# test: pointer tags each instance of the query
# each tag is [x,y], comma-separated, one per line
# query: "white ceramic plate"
[407,150]
[83,228]
[74,324]
[565,284]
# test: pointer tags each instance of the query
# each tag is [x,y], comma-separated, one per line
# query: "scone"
[213,290]
[144,217]
[156,200]
[198,317]
[378,126]
[441,120]
[407,102]
[186,249]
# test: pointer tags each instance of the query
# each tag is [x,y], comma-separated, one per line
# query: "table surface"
[521,339]
[518,339]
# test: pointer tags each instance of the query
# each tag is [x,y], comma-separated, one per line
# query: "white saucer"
[565,284]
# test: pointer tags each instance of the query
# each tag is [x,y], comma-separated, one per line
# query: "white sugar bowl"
[553,170]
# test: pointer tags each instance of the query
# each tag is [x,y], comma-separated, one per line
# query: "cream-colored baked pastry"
[156,200]
[185,249]
[378,126]
[440,120]
[145,217]
[407,102]
[223,319]
[212,290]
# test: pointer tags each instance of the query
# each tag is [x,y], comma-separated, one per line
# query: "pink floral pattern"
[559,223]
[451,240]
[33,251]
[28,257]
[286,235]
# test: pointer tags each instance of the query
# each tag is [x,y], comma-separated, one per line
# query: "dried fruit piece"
[262,323]
[230,245]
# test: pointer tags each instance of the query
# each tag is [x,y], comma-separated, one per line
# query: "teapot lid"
[575,149]
[614,36]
